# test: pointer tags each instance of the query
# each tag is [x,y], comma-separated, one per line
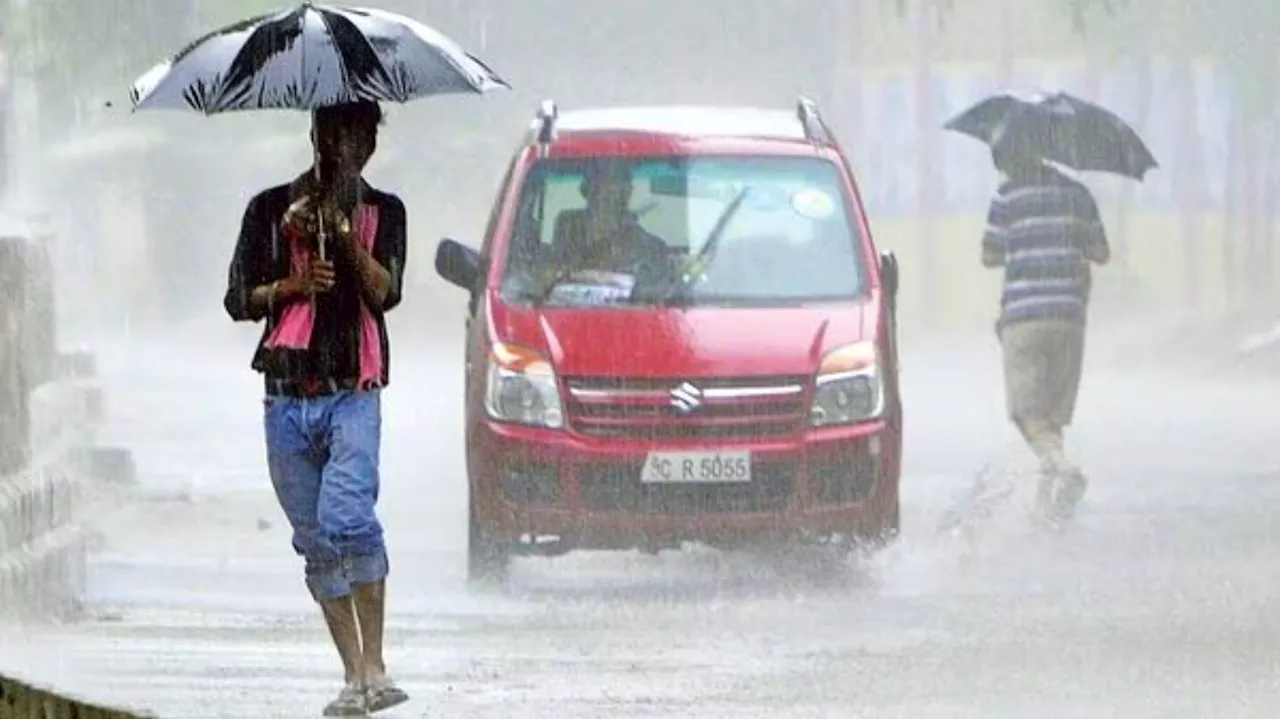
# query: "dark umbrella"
[1060,128]
[312,56]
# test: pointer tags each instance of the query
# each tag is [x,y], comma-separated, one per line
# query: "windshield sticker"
[621,280]
[591,287]
[812,204]
[588,295]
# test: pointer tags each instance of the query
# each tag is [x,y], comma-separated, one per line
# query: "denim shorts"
[322,453]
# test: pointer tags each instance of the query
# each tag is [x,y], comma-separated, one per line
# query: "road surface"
[1160,602]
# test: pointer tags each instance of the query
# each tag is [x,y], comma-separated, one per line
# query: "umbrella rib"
[343,69]
[302,51]
[228,95]
[444,52]
[300,89]
[390,90]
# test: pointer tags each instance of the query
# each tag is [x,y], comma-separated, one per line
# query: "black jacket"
[262,256]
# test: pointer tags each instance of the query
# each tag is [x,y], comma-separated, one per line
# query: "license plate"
[703,467]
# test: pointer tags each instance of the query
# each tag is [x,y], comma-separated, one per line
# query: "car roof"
[690,121]
[679,130]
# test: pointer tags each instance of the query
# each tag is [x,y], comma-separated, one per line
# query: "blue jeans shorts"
[322,453]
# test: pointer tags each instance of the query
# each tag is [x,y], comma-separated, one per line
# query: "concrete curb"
[19,700]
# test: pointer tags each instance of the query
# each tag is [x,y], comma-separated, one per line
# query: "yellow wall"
[951,290]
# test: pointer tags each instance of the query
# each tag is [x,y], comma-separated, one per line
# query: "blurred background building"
[153,201]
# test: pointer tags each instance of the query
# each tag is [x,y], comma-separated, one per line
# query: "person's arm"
[1095,246]
[993,238]
[380,272]
[252,292]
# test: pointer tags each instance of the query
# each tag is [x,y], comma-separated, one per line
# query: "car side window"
[560,193]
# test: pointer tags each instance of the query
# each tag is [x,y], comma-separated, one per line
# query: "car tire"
[488,561]
[890,525]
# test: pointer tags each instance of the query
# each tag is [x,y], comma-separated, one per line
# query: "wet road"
[1160,602]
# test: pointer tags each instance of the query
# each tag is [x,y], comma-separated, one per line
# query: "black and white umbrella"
[312,56]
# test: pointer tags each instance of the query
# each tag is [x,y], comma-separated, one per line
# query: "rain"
[182,596]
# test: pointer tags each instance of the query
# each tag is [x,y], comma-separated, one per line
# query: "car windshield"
[691,231]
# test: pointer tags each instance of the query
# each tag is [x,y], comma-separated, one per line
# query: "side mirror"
[458,264]
[889,274]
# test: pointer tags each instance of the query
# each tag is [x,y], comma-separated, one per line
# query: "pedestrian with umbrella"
[1044,230]
[321,261]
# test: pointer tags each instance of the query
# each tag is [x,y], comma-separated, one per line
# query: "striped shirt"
[1042,229]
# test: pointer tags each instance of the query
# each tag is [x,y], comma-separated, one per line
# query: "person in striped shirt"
[1044,230]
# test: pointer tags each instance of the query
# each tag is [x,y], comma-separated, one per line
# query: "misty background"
[148,205]
[1161,602]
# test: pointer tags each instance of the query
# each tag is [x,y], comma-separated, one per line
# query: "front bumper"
[532,482]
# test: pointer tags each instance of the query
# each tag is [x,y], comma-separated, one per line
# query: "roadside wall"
[47,409]
[49,406]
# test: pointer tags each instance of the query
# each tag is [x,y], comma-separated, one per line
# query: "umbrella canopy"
[309,57]
[1060,128]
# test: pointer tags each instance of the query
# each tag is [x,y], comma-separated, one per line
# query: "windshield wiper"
[680,292]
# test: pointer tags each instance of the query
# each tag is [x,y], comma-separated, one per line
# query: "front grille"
[723,408]
[617,488]
[530,483]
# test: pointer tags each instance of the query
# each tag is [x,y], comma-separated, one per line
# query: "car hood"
[653,342]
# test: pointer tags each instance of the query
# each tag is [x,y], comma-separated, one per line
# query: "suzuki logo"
[686,398]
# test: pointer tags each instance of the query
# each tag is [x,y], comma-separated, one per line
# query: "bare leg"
[340,615]
[1026,435]
[1061,484]
[370,601]
[1045,439]
[370,604]
[1040,439]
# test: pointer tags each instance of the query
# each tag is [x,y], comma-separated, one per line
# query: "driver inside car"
[606,235]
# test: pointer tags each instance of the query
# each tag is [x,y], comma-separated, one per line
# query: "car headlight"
[522,388]
[848,387]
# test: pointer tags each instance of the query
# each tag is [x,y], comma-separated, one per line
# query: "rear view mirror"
[889,274]
[680,184]
[674,185]
[458,264]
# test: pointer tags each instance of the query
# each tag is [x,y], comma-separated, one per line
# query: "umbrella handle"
[320,243]
[322,186]
[320,235]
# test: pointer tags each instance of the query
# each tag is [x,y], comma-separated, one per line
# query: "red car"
[680,330]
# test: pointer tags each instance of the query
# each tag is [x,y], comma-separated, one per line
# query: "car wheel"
[487,560]
[887,533]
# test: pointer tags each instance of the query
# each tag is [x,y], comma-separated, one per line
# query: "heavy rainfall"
[145,562]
